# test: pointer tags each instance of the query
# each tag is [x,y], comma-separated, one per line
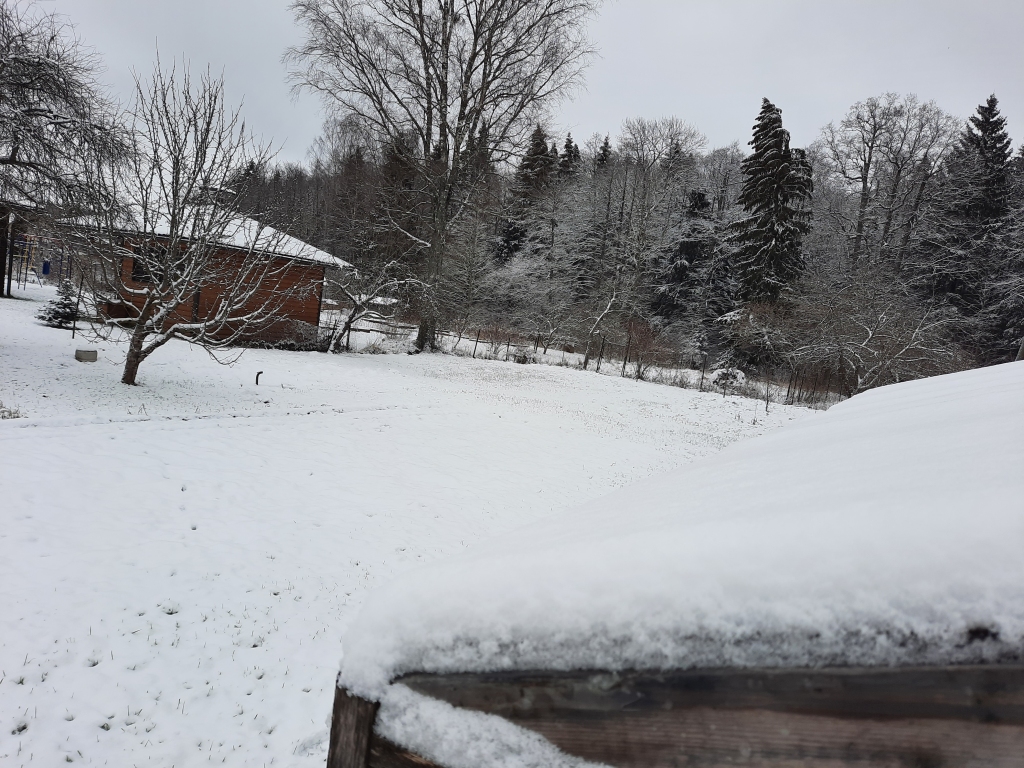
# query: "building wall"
[297,314]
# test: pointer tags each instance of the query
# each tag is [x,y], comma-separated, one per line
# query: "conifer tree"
[571,157]
[553,155]
[986,139]
[62,311]
[533,176]
[604,154]
[775,194]
[535,168]
[968,258]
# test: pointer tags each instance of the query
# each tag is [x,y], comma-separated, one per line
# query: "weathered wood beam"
[925,717]
[385,754]
[984,693]
[351,730]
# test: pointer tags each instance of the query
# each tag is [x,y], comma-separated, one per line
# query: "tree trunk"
[5,239]
[133,360]
[912,219]
[862,208]
[862,214]
[426,335]
[9,253]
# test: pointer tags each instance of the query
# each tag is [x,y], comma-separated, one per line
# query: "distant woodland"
[890,248]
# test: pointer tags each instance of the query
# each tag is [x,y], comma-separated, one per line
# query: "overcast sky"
[706,61]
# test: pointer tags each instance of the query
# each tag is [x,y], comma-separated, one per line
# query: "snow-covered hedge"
[887,531]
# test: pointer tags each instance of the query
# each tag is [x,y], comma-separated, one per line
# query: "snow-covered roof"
[886,531]
[245,233]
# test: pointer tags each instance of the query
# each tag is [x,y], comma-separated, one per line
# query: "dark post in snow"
[351,729]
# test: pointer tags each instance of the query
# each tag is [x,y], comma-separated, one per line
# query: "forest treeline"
[890,248]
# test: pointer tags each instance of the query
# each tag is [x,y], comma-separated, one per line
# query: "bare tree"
[884,153]
[52,112]
[166,249]
[444,75]
[722,173]
[371,296]
[868,332]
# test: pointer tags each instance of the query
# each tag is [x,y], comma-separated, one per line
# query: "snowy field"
[886,532]
[179,560]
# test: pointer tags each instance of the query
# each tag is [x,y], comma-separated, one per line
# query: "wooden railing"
[922,717]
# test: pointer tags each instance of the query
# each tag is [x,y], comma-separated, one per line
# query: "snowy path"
[179,560]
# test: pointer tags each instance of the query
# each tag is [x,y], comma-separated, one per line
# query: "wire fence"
[637,359]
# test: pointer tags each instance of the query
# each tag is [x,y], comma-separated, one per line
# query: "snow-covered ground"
[179,560]
[886,532]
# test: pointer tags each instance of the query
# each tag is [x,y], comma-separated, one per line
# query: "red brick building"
[295,291]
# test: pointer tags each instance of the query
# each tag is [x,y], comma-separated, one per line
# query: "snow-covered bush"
[727,379]
[9,413]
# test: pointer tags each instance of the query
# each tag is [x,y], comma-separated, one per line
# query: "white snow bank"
[888,531]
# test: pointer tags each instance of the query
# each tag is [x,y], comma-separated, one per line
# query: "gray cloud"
[707,62]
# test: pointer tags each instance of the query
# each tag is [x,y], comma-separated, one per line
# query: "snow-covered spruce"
[61,311]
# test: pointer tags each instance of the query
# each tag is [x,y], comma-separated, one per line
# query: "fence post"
[508,345]
[78,304]
[476,342]
[351,729]
[625,358]
[704,368]
[600,356]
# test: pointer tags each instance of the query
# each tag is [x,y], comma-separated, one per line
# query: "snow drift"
[888,531]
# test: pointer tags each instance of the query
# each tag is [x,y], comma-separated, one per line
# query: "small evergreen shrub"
[62,311]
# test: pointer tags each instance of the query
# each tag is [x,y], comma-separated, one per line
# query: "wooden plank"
[924,717]
[724,737]
[385,754]
[351,728]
